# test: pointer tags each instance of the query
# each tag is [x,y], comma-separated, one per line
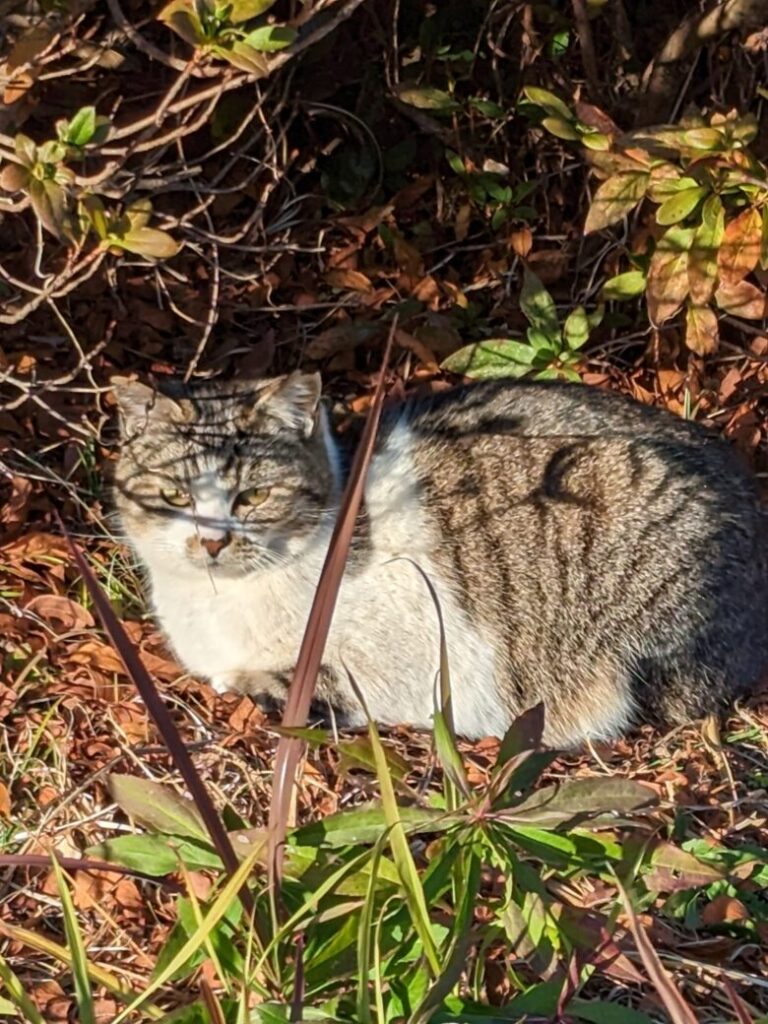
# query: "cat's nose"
[213,547]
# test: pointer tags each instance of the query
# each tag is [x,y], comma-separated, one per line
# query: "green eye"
[253,496]
[177,498]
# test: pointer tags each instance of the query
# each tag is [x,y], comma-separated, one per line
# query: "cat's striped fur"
[599,555]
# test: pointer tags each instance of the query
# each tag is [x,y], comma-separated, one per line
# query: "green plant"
[64,204]
[224,30]
[489,192]
[548,352]
[709,228]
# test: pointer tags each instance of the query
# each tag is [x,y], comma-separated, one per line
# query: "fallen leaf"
[724,909]
[353,280]
[62,610]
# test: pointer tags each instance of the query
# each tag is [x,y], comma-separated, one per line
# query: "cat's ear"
[138,403]
[294,400]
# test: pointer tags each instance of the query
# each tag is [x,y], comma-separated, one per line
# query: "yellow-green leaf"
[702,256]
[740,248]
[151,242]
[242,56]
[561,128]
[425,97]
[701,330]
[624,286]
[181,16]
[548,101]
[702,138]
[597,141]
[614,199]
[270,38]
[679,205]
[244,10]
[50,203]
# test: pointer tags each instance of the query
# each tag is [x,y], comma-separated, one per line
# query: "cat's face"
[230,479]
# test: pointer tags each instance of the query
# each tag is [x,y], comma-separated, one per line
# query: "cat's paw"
[224,683]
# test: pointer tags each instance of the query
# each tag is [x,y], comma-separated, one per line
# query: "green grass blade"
[218,909]
[116,986]
[398,841]
[364,939]
[82,981]
[17,996]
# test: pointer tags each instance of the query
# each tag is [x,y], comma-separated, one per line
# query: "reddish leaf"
[740,248]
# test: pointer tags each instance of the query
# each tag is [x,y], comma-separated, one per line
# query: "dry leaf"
[724,909]
[353,280]
[521,240]
[742,299]
[701,330]
[667,284]
[461,223]
[60,610]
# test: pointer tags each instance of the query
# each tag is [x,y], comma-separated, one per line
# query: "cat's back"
[585,531]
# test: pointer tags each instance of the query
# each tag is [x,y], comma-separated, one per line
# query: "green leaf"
[561,128]
[495,358]
[270,38]
[26,150]
[703,138]
[624,286]
[244,10]
[365,825]
[79,131]
[155,855]
[425,97]
[548,101]
[596,141]
[662,188]
[83,993]
[148,242]
[181,16]
[157,807]
[538,306]
[241,56]
[539,341]
[51,205]
[553,806]
[576,328]
[679,205]
[614,199]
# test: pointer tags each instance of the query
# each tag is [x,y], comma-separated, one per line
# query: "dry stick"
[662,76]
[676,1006]
[37,860]
[302,686]
[161,717]
[587,47]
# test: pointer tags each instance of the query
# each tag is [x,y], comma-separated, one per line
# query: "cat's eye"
[176,497]
[253,496]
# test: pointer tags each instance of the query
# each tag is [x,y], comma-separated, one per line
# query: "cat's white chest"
[221,628]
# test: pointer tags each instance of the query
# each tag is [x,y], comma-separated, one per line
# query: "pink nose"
[213,547]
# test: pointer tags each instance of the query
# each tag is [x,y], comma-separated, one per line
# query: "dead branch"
[663,77]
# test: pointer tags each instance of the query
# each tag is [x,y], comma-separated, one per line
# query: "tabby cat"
[588,551]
